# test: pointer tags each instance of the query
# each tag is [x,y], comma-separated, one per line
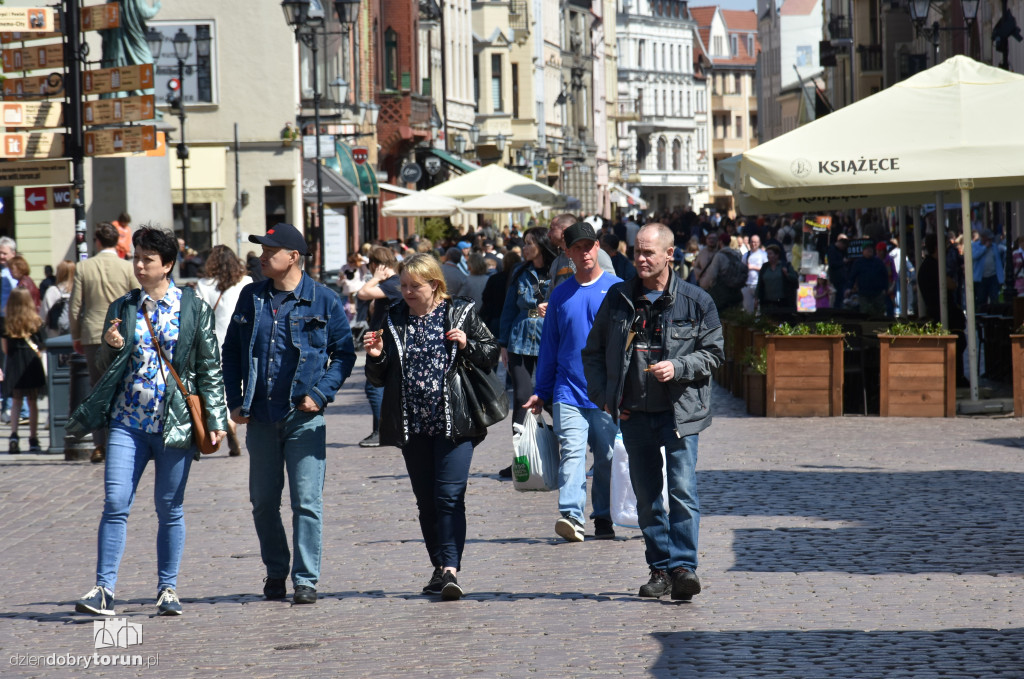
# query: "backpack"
[58,317]
[734,273]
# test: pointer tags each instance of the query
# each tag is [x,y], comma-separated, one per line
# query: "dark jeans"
[520,369]
[439,471]
[986,291]
[375,396]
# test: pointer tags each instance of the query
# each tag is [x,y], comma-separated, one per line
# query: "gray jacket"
[692,335]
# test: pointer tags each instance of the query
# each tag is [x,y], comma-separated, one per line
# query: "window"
[390,59]
[734,45]
[641,154]
[476,83]
[661,153]
[199,86]
[716,45]
[641,46]
[750,45]
[200,219]
[689,151]
[496,83]
[640,101]
[737,86]
[515,90]
[676,152]
[739,127]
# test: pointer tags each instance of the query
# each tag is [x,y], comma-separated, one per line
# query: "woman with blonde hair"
[225,276]
[58,300]
[424,339]
[24,376]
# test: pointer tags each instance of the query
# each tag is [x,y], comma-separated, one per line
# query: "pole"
[918,257]
[444,77]
[935,43]
[183,151]
[940,232]
[904,286]
[319,170]
[238,199]
[972,329]
[73,92]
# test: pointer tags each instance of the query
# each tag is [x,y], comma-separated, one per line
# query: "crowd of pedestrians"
[613,328]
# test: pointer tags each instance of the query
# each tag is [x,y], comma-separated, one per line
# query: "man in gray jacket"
[648,362]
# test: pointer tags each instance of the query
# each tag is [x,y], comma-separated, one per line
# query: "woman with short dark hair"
[148,331]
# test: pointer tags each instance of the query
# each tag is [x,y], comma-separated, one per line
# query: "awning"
[455,161]
[357,174]
[337,190]
[631,200]
[400,190]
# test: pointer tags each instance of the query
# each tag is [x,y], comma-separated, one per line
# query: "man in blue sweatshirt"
[559,379]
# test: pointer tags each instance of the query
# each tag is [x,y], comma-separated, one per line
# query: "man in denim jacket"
[287,352]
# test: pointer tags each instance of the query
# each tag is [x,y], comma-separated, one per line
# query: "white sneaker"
[570,529]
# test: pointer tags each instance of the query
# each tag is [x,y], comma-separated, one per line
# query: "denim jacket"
[319,330]
[519,332]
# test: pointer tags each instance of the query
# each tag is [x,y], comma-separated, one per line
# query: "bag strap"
[215,304]
[161,359]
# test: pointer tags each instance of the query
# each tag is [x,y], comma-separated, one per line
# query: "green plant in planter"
[789,330]
[910,329]
[758,362]
[828,328]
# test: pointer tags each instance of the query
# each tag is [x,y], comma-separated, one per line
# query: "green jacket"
[196,359]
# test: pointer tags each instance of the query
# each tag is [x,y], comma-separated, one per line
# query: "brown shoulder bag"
[196,406]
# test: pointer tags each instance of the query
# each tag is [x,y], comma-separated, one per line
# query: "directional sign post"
[26,19]
[34,87]
[33,58]
[101,17]
[121,110]
[43,172]
[48,197]
[120,140]
[35,145]
[32,114]
[118,79]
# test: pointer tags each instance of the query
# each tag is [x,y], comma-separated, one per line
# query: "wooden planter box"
[805,376]
[918,376]
[1017,352]
[754,392]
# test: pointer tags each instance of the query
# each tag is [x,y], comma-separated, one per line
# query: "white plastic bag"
[534,455]
[623,499]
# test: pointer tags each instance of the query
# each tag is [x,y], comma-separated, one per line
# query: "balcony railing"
[870,58]
[625,109]
[839,28]
[518,15]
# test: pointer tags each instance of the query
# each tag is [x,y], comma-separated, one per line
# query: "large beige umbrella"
[420,204]
[493,179]
[954,127]
[501,202]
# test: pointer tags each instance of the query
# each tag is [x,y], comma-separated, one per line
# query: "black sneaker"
[603,529]
[274,588]
[96,602]
[167,603]
[685,584]
[657,586]
[505,473]
[450,590]
[304,594]
[33,445]
[436,582]
[371,441]
[13,448]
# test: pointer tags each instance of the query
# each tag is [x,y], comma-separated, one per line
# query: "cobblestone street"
[846,547]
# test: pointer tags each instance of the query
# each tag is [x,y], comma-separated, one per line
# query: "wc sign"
[48,197]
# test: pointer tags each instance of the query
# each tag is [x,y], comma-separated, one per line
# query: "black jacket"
[386,371]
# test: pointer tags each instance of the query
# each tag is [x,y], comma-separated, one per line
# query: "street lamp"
[182,43]
[460,143]
[474,134]
[919,10]
[499,142]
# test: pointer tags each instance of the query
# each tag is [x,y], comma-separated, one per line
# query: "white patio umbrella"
[493,179]
[420,204]
[954,127]
[501,202]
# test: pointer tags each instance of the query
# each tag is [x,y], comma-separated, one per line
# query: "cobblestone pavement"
[847,547]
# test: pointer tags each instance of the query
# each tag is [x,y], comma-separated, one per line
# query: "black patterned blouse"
[425,366]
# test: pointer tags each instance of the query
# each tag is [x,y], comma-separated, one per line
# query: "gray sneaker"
[167,603]
[570,529]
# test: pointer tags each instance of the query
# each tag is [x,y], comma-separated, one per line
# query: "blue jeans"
[576,427]
[670,538]
[128,453]
[375,396]
[439,471]
[297,443]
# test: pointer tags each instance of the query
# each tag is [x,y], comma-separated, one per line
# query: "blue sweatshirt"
[570,315]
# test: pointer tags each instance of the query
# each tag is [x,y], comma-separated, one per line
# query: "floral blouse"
[140,405]
[425,366]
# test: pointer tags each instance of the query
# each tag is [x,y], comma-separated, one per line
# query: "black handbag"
[486,398]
